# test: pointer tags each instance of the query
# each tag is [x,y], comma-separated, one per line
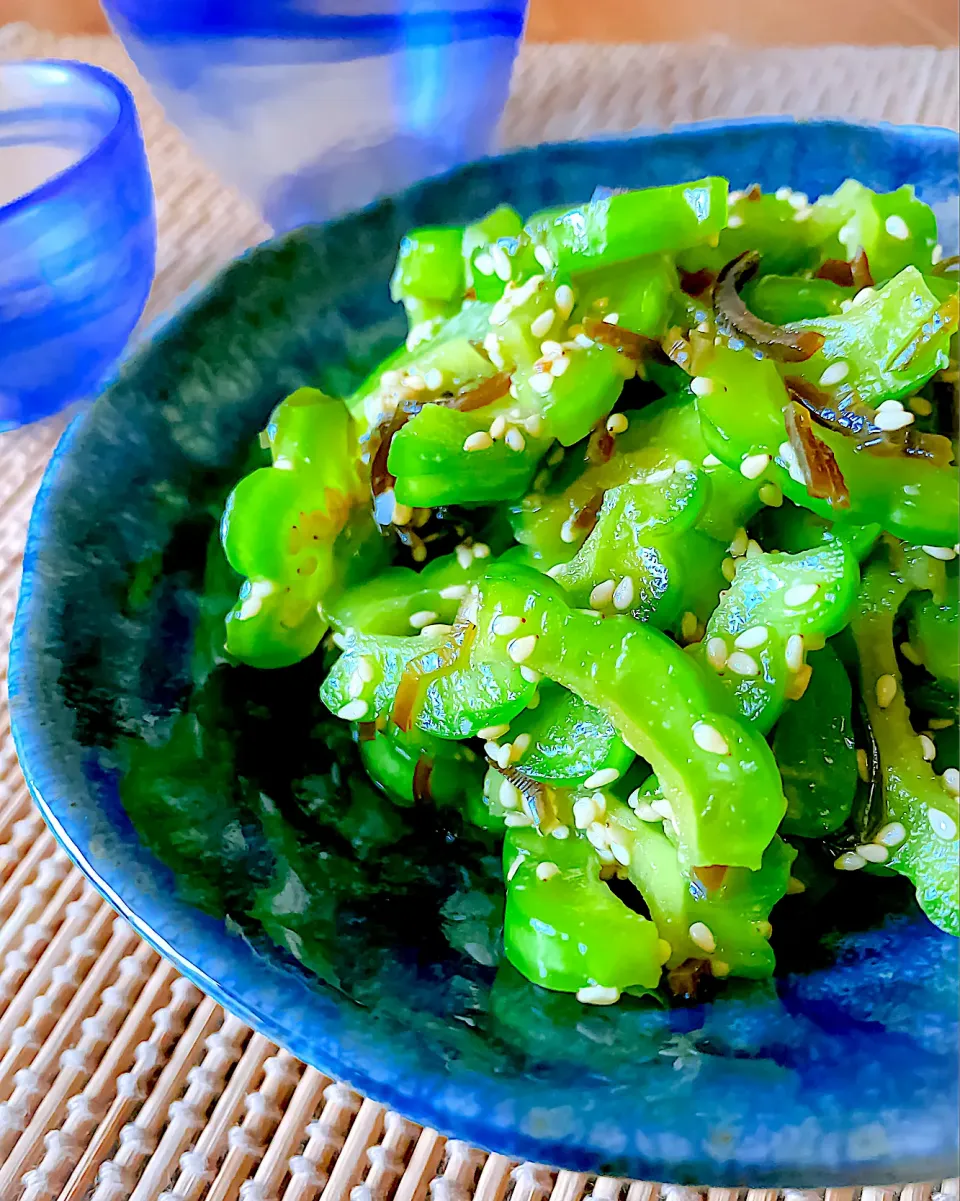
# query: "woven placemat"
[120,1081]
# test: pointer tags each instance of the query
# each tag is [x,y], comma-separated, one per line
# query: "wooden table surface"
[748,22]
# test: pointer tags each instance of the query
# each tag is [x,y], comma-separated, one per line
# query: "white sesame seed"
[942,824]
[702,936]
[568,533]
[623,593]
[873,852]
[492,749]
[483,263]
[793,653]
[783,193]
[891,835]
[738,546]
[520,649]
[611,318]
[433,379]
[951,781]
[414,383]
[646,812]
[455,592]
[688,626]
[601,778]
[945,553]
[892,419]
[754,466]
[498,427]
[850,861]
[530,675]
[734,221]
[803,214]
[436,629]
[423,617]
[560,833]
[798,200]
[663,809]
[547,870]
[835,374]
[728,569]
[602,594]
[559,366]
[491,344]
[481,440]
[708,738]
[518,819]
[743,664]
[583,341]
[355,685]
[928,748]
[711,461]
[550,349]
[771,495]
[501,264]
[502,757]
[752,638]
[937,255]
[799,595]
[521,744]
[508,795]
[541,382]
[717,653]
[534,425]
[365,669]
[541,325]
[618,423]
[659,476]
[620,853]
[564,300]
[799,683]
[515,866]
[353,711]
[543,257]
[464,556]
[896,227]
[402,514]
[515,440]
[886,690]
[597,994]
[584,812]
[863,770]
[489,732]
[391,379]
[481,550]
[700,385]
[505,625]
[682,466]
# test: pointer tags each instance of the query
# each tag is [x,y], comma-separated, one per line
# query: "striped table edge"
[119,1080]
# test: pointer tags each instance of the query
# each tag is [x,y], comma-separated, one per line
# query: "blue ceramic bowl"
[843,1069]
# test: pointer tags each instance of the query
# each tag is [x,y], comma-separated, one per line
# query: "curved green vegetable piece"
[764,222]
[783,298]
[726,923]
[568,740]
[429,275]
[564,929]
[452,772]
[718,774]
[935,636]
[643,294]
[922,811]
[279,528]
[776,608]
[814,747]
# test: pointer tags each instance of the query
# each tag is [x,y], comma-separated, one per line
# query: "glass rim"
[124,124]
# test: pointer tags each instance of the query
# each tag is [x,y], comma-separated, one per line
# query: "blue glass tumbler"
[314,107]
[77,233]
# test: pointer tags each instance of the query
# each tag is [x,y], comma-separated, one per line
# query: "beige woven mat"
[118,1079]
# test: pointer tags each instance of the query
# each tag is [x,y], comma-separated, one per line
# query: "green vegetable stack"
[655,514]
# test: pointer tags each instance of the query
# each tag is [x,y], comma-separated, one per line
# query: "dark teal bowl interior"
[225,816]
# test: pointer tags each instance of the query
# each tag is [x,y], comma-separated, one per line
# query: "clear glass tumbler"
[77,233]
[314,107]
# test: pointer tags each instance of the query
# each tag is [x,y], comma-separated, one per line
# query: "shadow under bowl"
[221,813]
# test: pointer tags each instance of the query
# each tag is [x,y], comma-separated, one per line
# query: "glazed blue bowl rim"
[38,759]
[125,123]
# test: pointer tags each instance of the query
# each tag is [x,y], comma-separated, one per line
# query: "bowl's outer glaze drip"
[842,1071]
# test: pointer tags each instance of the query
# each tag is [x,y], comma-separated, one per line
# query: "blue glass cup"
[316,107]
[77,233]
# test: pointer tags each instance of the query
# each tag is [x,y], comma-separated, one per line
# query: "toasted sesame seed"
[498,427]
[551,349]
[483,263]
[492,732]
[601,778]
[664,950]
[520,649]
[873,852]
[700,385]
[719,968]
[646,812]
[754,466]
[508,795]
[682,467]
[921,406]
[584,812]
[541,382]
[702,936]
[896,227]
[751,638]
[951,781]
[505,625]
[602,594]
[423,617]
[623,593]
[942,824]
[365,669]
[711,461]
[743,664]
[771,495]
[849,861]
[940,723]
[738,546]
[521,744]
[492,749]
[501,264]
[503,755]
[481,440]
[547,870]
[481,550]
[541,325]
[515,440]
[928,748]
[533,425]
[464,556]
[886,690]
[543,257]
[611,318]
[717,653]
[402,514]
[729,569]
[734,221]
[597,994]
[435,629]
[353,711]
[414,383]
[454,592]
[688,626]
[891,835]
[835,373]
[795,886]
[618,423]
[564,300]
[892,419]
[620,853]
[863,770]
[793,654]
[799,595]
[944,553]
[663,809]
[799,683]
[708,738]
[559,366]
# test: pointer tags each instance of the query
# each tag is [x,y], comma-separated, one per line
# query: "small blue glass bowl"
[77,233]
[841,1070]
